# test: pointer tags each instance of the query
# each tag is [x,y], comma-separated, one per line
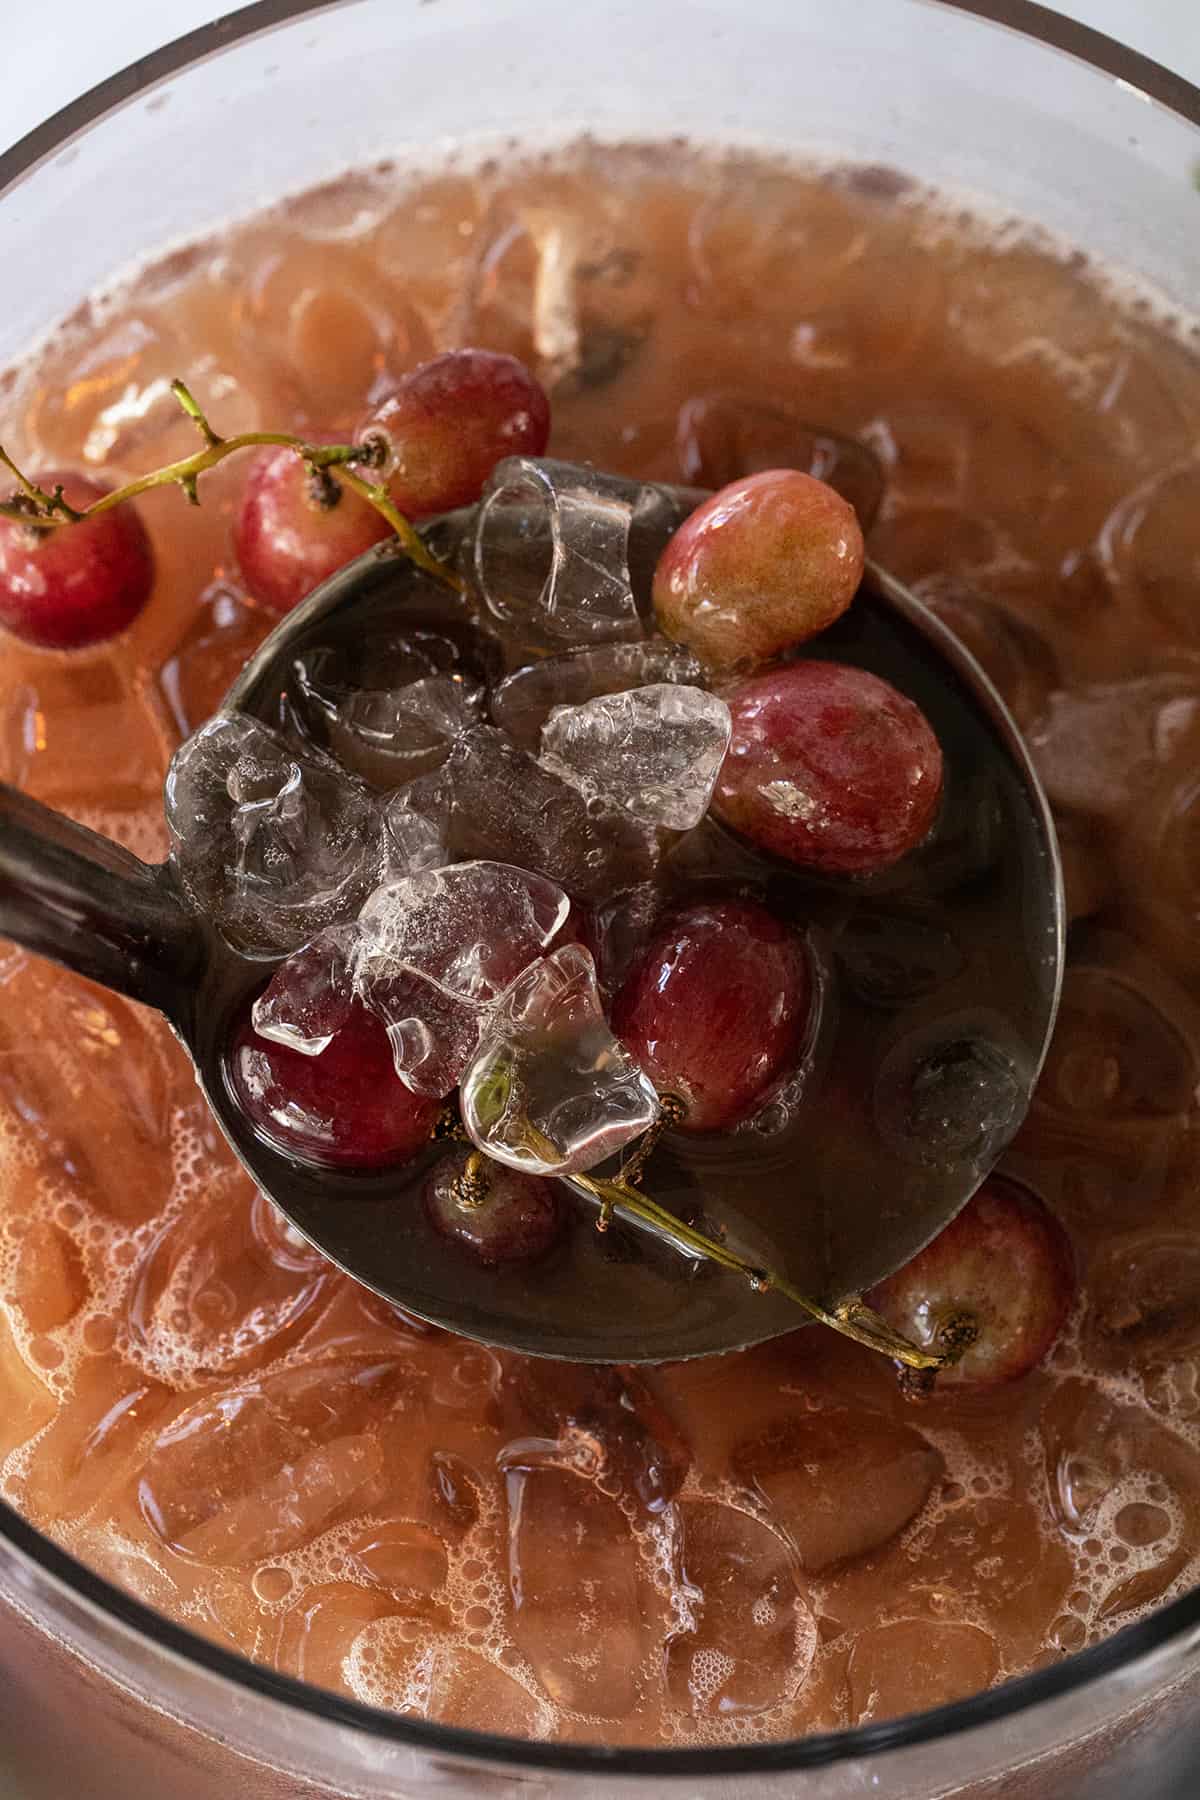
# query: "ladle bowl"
[627,1295]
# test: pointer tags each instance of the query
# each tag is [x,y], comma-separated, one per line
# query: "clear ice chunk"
[655,751]
[309,997]
[1095,747]
[433,1035]
[551,1091]
[433,950]
[555,554]
[523,701]
[390,712]
[470,929]
[273,844]
[619,931]
[722,436]
[415,820]
[492,800]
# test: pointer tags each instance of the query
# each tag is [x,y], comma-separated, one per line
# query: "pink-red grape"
[449,421]
[293,529]
[1004,1269]
[520,1218]
[75,584]
[766,563]
[830,767]
[346,1108]
[715,1009]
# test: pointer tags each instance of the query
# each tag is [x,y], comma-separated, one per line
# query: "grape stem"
[852,1317]
[45,511]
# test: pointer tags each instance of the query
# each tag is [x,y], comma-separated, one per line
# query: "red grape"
[830,767]
[292,529]
[768,562]
[75,584]
[449,421]
[715,1009]
[1003,1267]
[520,1218]
[346,1108]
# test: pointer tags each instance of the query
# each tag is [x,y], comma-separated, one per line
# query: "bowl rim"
[1168,1625]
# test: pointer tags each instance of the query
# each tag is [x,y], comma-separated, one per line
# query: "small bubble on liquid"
[99,1334]
[272,1584]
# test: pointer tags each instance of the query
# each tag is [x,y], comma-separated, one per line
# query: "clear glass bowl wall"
[98,1696]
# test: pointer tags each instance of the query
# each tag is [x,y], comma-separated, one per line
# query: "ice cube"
[388,737]
[909,1665]
[619,930]
[554,551]
[492,800]
[310,996]
[1104,1457]
[470,929]
[405,1664]
[95,1446]
[523,701]
[222,636]
[50,1285]
[415,823]
[723,436]
[605,1424]
[56,712]
[433,949]
[391,711]
[1150,544]
[261,1468]
[551,1090]
[564,1537]
[433,1035]
[655,751]
[1096,746]
[320,1630]
[1143,1301]
[92,1091]
[221,1285]
[272,844]
[1013,653]
[1127,1045]
[838,1482]
[749,1639]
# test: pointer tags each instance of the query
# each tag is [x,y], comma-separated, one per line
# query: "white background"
[59,50]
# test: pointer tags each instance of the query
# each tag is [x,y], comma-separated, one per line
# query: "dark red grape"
[293,529]
[346,1108]
[1004,1269]
[449,421]
[520,1217]
[715,1009]
[76,584]
[768,562]
[830,767]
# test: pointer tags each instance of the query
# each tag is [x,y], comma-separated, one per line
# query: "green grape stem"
[42,511]
[852,1317]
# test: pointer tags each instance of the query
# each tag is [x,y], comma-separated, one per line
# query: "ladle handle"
[72,895]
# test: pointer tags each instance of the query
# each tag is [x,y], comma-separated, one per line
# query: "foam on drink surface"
[198,1406]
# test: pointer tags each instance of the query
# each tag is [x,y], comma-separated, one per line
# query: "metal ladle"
[860,1210]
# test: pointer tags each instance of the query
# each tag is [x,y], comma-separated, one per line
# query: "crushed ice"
[551,1090]
[271,843]
[655,751]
